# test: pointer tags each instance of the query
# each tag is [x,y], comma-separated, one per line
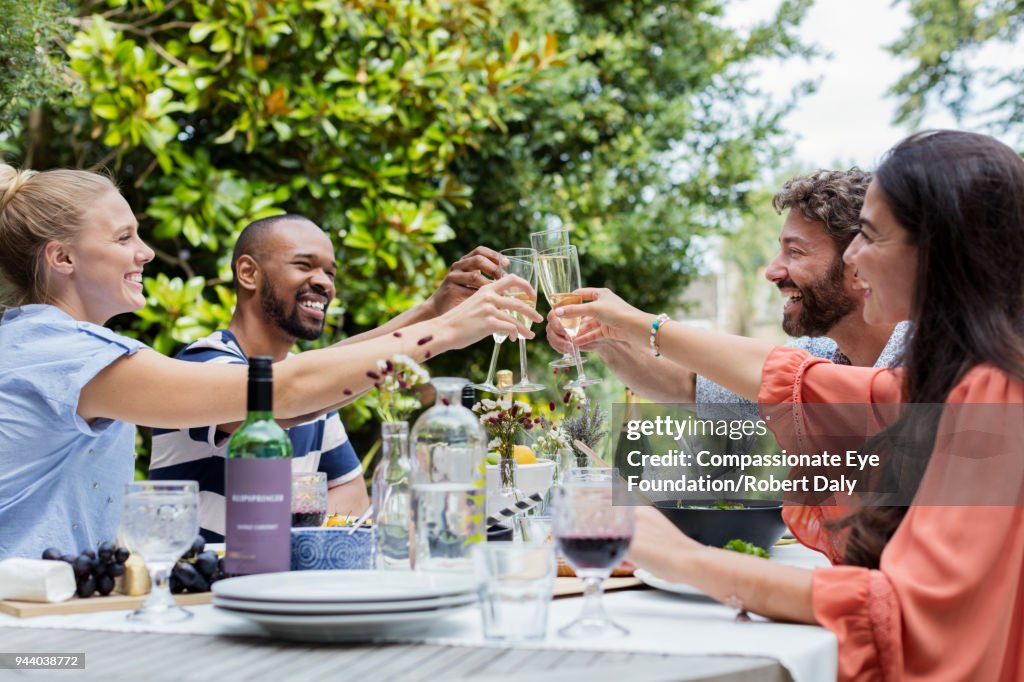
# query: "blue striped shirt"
[198,453]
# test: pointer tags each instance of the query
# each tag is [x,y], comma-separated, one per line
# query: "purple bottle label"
[258,520]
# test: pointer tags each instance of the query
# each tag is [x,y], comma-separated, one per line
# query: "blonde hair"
[35,209]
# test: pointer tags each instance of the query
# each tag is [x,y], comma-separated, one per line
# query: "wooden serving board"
[94,604]
[570,587]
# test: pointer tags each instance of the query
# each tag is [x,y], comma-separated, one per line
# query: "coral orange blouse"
[948,600]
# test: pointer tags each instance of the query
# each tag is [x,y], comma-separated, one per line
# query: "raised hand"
[488,311]
[594,335]
[467,275]
[606,316]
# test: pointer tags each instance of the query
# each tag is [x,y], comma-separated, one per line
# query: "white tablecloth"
[658,622]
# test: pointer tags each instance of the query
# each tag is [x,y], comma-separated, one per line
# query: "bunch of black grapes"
[95,570]
[196,570]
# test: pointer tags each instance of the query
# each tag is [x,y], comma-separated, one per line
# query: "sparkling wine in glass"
[521,262]
[559,271]
[160,521]
[546,241]
[593,536]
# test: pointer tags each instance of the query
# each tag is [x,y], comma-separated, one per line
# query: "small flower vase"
[507,470]
[392,498]
[566,459]
[508,488]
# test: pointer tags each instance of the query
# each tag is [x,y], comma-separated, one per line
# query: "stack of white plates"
[343,605]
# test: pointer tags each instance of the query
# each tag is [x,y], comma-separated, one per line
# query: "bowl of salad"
[758,522]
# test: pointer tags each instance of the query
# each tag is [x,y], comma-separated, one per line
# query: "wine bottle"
[258,481]
[468,396]
[624,446]
[504,379]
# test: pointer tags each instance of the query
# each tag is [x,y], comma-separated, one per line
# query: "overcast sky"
[849,119]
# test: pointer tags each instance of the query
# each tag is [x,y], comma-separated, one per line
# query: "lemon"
[524,455]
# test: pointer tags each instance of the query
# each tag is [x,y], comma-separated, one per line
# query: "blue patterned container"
[331,548]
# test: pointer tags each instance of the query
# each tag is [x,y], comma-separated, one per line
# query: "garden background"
[413,131]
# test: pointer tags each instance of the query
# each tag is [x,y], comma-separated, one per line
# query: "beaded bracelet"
[658,323]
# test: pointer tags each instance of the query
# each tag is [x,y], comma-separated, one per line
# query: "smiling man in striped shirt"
[284,269]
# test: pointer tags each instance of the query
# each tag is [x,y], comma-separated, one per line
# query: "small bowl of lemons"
[533,474]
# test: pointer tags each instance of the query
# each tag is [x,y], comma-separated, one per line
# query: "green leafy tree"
[30,59]
[943,42]
[412,131]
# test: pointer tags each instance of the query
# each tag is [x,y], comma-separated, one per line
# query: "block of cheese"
[135,580]
[36,580]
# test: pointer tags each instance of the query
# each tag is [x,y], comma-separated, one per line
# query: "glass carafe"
[448,444]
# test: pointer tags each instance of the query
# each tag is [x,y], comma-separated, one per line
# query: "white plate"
[338,608]
[343,586]
[654,581]
[345,628]
[791,555]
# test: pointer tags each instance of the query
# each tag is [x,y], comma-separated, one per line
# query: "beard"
[825,302]
[290,322]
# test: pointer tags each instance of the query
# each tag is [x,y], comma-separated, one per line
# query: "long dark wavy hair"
[960,196]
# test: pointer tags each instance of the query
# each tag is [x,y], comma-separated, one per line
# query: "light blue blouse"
[61,478]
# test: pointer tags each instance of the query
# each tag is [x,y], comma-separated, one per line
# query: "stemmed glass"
[522,262]
[546,241]
[593,536]
[160,522]
[560,278]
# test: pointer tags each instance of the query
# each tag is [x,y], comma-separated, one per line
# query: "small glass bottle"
[392,498]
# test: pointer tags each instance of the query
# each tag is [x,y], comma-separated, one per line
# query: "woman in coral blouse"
[933,590]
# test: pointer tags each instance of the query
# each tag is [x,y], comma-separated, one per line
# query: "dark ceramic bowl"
[759,522]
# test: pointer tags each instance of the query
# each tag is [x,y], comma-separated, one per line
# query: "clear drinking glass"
[546,241]
[515,582]
[160,521]
[559,271]
[488,384]
[521,262]
[309,499]
[593,536]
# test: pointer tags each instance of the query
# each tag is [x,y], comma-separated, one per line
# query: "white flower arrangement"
[394,380]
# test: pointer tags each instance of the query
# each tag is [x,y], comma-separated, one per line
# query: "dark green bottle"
[258,484]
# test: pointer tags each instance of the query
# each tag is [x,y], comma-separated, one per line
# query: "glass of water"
[447,518]
[515,582]
[160,521]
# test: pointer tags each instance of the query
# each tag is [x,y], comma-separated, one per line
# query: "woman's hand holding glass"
[560,278]
[490,311]
[608,316]
[522,262]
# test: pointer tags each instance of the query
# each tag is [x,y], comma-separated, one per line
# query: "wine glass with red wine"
[593,536]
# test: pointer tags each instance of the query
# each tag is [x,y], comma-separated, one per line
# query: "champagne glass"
[560,278]
[546,241]
[593,536]
[160,522]
[521,262]
[488,384]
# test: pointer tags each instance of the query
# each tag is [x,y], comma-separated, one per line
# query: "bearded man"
[284,272]
[821,304]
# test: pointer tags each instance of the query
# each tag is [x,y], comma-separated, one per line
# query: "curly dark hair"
[831,197]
